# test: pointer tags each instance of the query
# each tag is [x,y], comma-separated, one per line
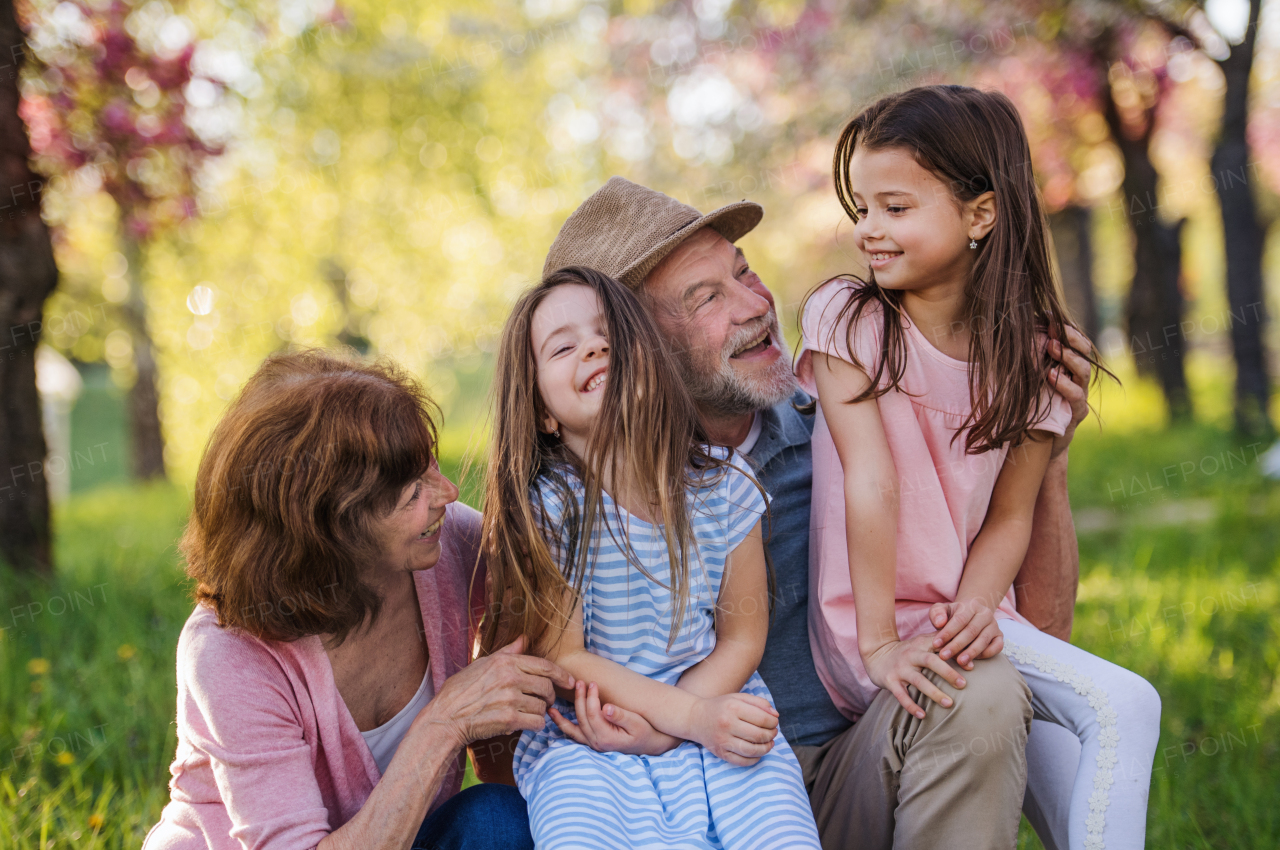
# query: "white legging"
[1092,743]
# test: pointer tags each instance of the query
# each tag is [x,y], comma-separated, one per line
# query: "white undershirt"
[385,740]
[757,423]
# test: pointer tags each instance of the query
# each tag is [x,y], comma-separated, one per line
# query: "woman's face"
[410,536]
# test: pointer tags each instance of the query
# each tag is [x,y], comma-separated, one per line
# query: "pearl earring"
[973,244]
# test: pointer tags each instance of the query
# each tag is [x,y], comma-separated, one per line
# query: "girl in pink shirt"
[933,434]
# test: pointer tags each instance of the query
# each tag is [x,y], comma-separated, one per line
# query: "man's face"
[722,326]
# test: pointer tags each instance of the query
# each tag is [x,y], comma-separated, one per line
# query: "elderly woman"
[324,697]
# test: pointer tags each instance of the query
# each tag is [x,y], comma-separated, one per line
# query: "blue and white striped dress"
[688,797]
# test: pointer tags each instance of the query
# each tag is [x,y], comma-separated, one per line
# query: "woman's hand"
[967,627]
[896,664]
[503,693]
[738,728]
[613,729]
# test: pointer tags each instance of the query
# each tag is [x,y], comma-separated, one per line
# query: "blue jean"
[482,817]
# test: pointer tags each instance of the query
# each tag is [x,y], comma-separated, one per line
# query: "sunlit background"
[228,179]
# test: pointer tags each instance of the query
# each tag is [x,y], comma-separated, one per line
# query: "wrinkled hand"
[503,693]
[897,664]
[965,628]
[612,729]
[1072,382]
[738,728]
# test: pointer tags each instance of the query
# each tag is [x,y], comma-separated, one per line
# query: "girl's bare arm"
[737,727]
[871,529]
[742,623]
[996,554]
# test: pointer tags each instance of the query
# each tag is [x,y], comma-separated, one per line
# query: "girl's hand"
[613,730]
[966,627]
[503,693]
[738,728]
[897,664]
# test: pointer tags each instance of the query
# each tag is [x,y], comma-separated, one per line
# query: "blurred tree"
[1117,52]
[28,274]
[1231,166]
[1071,228]
[116,108]
[397,181]
[1133,90]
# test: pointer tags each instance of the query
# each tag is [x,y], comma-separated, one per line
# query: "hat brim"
[732,222]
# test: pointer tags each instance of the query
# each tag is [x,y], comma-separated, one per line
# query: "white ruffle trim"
[1108,737]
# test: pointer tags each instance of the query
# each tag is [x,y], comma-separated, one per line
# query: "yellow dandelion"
[37,666]
[65,758]
[96,821]
[126,651]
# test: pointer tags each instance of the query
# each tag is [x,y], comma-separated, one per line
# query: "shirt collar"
[782,427]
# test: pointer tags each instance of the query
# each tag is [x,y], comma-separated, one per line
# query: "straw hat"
[625,229]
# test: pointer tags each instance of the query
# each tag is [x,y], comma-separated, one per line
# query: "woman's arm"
[871,529]
[493,696]
[742,623]
[737,727]
[996,554]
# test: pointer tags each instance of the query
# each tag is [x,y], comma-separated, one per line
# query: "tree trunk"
[1073,245]
[144,397]
[28,274]
[1154,308]
[1243,237]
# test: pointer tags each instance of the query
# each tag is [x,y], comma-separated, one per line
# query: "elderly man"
[887,780]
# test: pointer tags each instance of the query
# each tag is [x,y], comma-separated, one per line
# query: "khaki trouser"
[954,779]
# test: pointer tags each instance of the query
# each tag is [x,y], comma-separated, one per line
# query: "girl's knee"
[1136,700]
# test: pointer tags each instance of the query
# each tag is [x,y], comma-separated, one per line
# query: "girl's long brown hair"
[974,142]
[647,440]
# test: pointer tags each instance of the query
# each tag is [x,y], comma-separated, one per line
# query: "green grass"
[87,657]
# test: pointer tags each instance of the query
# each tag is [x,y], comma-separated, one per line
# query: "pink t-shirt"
[269,757]
[944,491]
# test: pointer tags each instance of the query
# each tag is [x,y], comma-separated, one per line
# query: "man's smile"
[754,347]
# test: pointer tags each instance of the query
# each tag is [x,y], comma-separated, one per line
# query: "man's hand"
[739,728]
[967,628]
[897,664]
[1071,380]
[612,729]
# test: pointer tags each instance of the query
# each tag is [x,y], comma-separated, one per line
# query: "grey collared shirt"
[783,460]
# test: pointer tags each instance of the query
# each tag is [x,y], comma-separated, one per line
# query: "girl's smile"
[596,381]
[881,259]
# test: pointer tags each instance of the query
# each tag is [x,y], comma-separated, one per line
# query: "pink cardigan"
[268,754]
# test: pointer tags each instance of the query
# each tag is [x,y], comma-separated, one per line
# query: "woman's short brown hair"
[316,447]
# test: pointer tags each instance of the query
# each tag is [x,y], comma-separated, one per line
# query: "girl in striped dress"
[630,553]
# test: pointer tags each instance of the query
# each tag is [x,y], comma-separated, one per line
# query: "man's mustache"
[745,335]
